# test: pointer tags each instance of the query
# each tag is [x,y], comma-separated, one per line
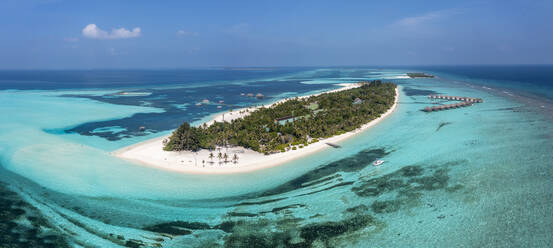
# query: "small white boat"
[378,162]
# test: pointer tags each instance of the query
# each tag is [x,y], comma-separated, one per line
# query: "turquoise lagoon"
[479,176]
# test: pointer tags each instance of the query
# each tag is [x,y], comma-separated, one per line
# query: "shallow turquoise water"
[479,176]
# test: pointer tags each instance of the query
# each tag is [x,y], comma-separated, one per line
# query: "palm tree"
[235,158]
[211,156]
[226,158]
[220,156]
[203,163]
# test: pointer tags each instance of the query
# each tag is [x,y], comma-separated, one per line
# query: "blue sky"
[57,34]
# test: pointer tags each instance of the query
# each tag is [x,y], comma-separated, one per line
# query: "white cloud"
[184,33]
[94,32]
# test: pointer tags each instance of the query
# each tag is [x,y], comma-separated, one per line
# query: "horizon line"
[258,67]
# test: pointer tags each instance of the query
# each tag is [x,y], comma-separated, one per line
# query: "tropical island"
[269,135]
[419,75]
[291,124]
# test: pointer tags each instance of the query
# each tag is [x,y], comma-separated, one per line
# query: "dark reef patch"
[418,92]
[438,180]
[327,230]
[385,206]
[177,227]
[260,240]
[240,214]
[12,234]
[349,164]
[322,180]
[454,188]
[328,188]
[378,186]
[228,226]
[411,171]
[259,202]
[260,234]
[278,209]
[409,182]
[386,194]
[357,209]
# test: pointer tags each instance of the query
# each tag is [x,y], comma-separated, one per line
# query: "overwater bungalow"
[465,101]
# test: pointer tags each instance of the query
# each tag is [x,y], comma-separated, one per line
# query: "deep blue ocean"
[480,176]
[536,79]
[507,76]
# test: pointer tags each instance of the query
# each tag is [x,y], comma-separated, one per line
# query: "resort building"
[284,120]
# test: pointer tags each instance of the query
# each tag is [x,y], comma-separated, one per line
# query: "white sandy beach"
[150,153]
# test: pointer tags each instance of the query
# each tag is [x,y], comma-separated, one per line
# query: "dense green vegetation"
[315,117]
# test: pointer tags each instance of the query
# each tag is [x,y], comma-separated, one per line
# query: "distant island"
[291,124]
[249,68]
[419,75]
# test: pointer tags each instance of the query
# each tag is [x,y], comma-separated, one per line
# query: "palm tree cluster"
[313,118]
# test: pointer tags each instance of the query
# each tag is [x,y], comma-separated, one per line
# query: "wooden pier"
[333,145]
[465,102]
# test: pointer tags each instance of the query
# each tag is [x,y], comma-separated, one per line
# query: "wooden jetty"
[333,145]
[465,102]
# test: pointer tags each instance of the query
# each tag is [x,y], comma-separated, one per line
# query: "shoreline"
[150,153]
